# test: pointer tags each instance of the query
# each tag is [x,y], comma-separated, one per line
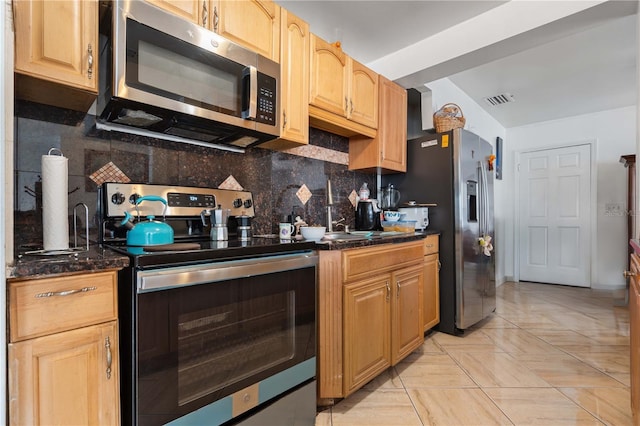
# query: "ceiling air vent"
[500,99]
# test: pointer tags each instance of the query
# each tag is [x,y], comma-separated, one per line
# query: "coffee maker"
[367,215]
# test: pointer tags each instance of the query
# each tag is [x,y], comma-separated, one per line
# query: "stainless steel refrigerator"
[453,170]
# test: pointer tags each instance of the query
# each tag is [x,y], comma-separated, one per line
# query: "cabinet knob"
[629,274]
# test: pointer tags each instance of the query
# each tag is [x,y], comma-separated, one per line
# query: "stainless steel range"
[211,332]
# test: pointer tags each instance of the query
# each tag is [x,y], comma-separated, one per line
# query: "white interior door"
[554,216]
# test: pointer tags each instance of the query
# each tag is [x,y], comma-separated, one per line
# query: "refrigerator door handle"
[485,199]
[481,200]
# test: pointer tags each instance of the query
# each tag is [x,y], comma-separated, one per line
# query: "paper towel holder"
[76,249]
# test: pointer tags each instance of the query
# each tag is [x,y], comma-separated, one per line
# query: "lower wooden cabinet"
[367,330]
[68,378]
[406,312]
[63,352]
[634,324]
[369,313]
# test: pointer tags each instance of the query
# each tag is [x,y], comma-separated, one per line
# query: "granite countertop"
[99,258]
[39,266]
[372,241]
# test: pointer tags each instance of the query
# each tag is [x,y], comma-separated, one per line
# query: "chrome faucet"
[340,222]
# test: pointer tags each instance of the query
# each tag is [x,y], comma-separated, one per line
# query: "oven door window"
[166,66]
[200,343]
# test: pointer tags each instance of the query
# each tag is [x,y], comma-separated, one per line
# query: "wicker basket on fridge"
[448,117]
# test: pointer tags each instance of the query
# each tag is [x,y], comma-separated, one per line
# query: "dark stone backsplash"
[273,177]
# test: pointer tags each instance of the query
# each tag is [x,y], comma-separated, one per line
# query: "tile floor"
[549,355]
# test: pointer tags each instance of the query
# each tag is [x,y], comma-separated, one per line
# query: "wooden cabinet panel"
[254,24]
[386,151]
[406,311]
[362,262]
[370,305]
[66,378]
[431,291]
[367,322]
[363,100]
[74,301]
[329,77]
[330,328]
[634,323]
[431,244]
[191,10]
[294,83]
[343,93]
[58,41]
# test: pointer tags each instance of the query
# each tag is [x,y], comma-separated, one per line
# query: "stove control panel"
[182,201]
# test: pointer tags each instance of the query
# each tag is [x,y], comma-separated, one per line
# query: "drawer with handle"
[44,306]
[431,244]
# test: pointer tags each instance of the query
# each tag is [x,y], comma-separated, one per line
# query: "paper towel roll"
[55,201]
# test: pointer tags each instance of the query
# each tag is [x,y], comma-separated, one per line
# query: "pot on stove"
[150,232]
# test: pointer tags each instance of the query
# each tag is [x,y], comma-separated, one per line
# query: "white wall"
[481,123]
[614,132]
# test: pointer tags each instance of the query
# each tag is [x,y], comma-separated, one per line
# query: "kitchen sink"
[339,236]
[343,236]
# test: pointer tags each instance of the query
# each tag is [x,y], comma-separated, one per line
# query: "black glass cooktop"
[193,252]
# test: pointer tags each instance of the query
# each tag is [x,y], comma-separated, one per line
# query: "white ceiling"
[580,64]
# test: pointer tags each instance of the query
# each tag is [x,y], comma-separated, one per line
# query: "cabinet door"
[195,11]
[294,77]
[66,378]
[58,41]
[431,291]
[329,81]
[254,24]
[367,321]
[406,324]
[386,151]
[363,97]
[393,136]
[634,323]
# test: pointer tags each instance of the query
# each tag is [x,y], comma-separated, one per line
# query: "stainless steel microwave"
[165,77]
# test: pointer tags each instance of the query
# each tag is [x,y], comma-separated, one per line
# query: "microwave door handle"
[251,73]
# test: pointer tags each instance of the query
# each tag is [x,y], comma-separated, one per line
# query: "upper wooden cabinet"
[363,95]
[387,151]
[294,83]
[56,42]
[343,93]
[254,24]
[195,11]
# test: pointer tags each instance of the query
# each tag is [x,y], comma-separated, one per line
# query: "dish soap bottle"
[364,192]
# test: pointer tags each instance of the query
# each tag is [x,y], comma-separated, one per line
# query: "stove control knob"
[237,203]
[117,198]
[247,204]
[133,198]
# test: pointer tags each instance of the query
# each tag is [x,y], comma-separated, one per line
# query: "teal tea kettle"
[150,232]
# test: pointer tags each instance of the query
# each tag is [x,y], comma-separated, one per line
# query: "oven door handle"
[166,278]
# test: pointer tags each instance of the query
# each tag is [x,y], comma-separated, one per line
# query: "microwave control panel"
[266,100]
